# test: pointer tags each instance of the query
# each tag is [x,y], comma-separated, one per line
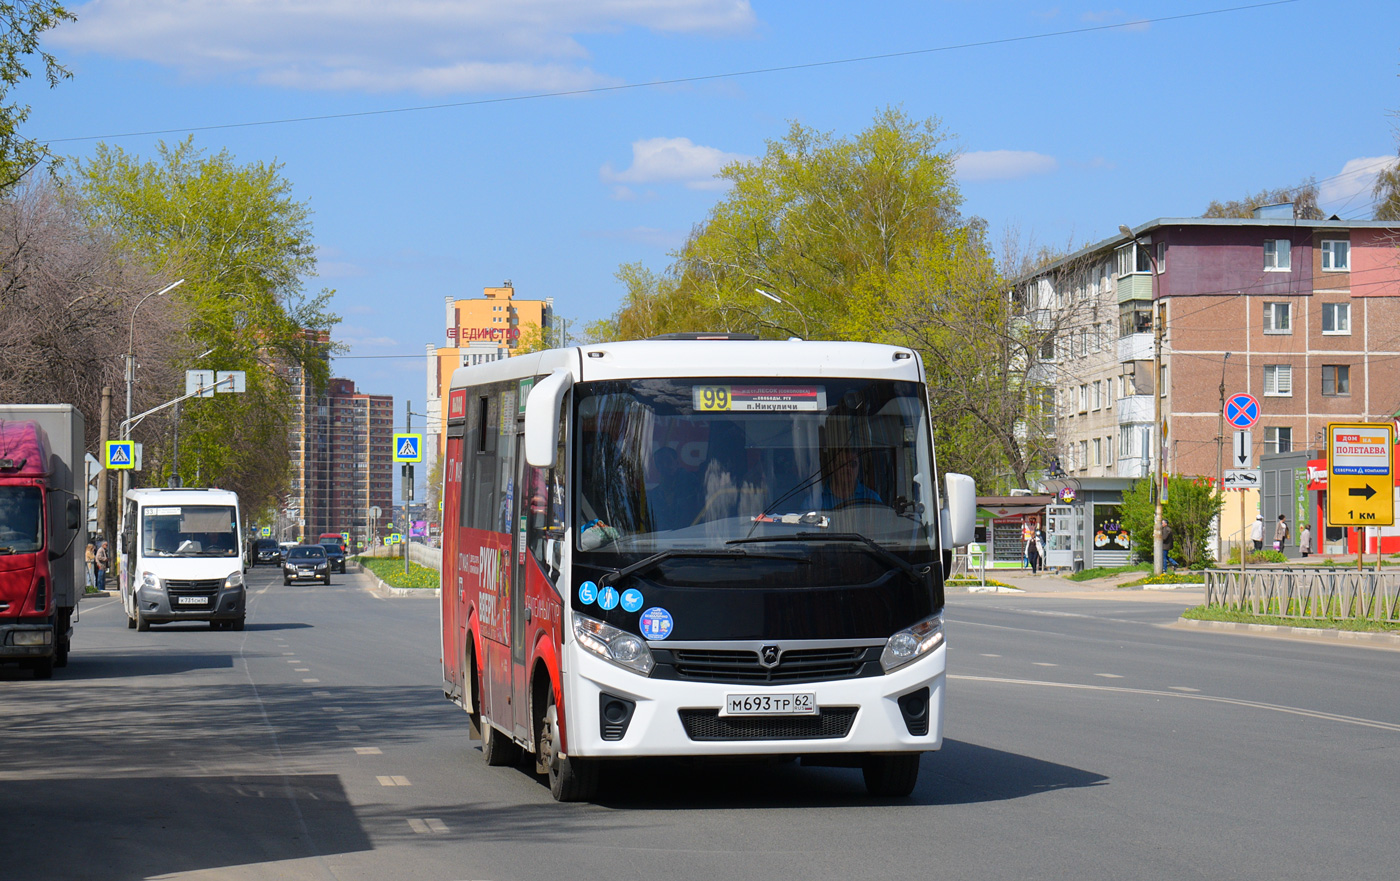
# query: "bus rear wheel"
[891,775]
[569,779]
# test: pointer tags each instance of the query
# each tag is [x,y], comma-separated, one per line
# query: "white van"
[182,558]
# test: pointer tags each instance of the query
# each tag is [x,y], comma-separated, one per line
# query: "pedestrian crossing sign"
[120,454]
[408,448]
[266,532]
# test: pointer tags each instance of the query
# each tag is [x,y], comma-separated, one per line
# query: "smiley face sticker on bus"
[656,623]
[587,593]
[631,599]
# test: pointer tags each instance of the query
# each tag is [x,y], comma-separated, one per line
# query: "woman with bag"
[1280,533]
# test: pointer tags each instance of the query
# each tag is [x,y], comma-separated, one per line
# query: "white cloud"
[1349,192]
[427,46]
[1004,164]
[671,160]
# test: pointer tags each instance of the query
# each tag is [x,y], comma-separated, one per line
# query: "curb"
[1380,640]
[387,591]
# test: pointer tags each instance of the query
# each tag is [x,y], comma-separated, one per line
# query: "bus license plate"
[193,601]
[804,704]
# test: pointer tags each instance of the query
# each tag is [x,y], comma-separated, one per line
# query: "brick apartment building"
[1303,314]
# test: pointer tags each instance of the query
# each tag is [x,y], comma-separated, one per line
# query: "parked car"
[306,563]
[265,550]
[336,554]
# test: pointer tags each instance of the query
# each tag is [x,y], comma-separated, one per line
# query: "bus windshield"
[189,531]
[696,464]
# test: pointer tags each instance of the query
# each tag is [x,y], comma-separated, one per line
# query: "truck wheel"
[43,668]
[569,779]
[60,657]
[891,775]
[142,623]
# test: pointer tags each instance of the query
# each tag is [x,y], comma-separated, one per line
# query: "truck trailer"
[43,533]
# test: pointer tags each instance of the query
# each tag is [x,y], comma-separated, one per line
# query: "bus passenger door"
[520,685]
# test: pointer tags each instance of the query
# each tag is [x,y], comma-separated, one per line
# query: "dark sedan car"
[306,563]
[336,554]
[265,550]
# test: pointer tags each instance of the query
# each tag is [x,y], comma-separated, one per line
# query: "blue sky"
[1065,135]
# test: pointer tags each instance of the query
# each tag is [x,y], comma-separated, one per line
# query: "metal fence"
[1306,593]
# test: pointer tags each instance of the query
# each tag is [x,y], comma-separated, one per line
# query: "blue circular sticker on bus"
[587,593]
[657,623]
[631,599]
[607,598]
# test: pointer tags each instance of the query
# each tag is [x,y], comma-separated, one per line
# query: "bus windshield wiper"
[616,575]
[873,546]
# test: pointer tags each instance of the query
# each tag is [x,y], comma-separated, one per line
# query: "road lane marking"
[344,727]
[425,827]
[301,669]
[320,694]
[985,655]
[1183,688]
[1258,705]
[369,751]
[393,781]
[332,709]
[310,680]
[1044,664]
[1108,675]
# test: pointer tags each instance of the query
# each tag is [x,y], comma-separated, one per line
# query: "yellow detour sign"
[1360,482]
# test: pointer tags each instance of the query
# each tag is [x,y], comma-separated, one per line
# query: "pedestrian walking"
[1040,547]
[1033,554]
[1280,533]
[1256,533]
[1305,537]
[90,559]
[1168,536]
[100,558]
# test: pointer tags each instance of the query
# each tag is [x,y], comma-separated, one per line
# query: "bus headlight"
[611,644]
[150,581]
[234,580]
[912,643]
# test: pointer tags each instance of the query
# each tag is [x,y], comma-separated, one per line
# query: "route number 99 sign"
[758,398]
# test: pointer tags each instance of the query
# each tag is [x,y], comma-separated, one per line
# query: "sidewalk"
[1042,583]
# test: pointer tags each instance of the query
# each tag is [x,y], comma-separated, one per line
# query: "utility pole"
[104,518]
[1220,467]
[407,487]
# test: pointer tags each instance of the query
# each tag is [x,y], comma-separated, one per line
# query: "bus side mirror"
[958,519]
[542,418]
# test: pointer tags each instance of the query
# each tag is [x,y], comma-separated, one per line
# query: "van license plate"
[804,704]
[193,601]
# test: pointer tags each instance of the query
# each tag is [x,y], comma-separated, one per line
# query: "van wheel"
[142,623]
[130,623]
[891,775]
[569,779]
[237,623]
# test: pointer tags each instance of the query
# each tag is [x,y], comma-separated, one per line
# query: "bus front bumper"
[679,718]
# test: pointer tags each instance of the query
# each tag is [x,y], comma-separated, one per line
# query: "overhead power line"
[534,96]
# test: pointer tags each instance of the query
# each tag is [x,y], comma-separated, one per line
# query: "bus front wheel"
[569,779]
[891,775]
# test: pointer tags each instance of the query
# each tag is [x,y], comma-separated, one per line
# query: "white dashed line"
[301,669]
[424,827]
[393,781]
[369,751]
[332,709]
[1044,664]
[310,680]
[320,694]
[348,727]
[1108,675]
[985,655]
[1183,688]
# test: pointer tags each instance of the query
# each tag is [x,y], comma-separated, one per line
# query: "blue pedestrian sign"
[408,448]
[1242,411]
[120,454]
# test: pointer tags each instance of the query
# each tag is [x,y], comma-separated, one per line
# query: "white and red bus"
[698,546]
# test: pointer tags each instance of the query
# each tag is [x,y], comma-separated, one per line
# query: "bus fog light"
[611,644]
[912,643]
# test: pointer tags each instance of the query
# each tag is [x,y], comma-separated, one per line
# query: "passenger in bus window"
[731,489]
[675,498]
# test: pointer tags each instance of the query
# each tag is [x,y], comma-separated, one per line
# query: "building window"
[1336,255]
[1278,380]
[1083,398]
[1278,318]
[1336,318]
[1278,440]
[1108,392]
[1135,258]
[1098,397]
[1336,379]
[1108,451]
[1083,455]
[1098,451]
[1277,255]
[1135,316]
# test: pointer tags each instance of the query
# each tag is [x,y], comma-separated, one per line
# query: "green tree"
[242,243]
[1387,191]
[1192,504]
[857,238]
[23,23]
[1303,196]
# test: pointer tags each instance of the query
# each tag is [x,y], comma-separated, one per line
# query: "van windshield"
[189,531]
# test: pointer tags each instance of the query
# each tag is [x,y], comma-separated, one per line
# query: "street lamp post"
[1157,477]
[131,374]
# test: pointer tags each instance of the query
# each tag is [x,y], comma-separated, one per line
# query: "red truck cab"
[33,549]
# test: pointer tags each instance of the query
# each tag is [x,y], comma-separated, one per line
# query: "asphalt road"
[1086,738]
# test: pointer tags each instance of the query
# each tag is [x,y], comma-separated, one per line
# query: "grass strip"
[1106,571]
[390,571]
[1360,625]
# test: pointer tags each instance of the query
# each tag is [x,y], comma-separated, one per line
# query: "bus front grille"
[831,722]
[739,666]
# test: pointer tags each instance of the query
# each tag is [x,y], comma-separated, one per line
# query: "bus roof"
[704,357]
[182,496]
